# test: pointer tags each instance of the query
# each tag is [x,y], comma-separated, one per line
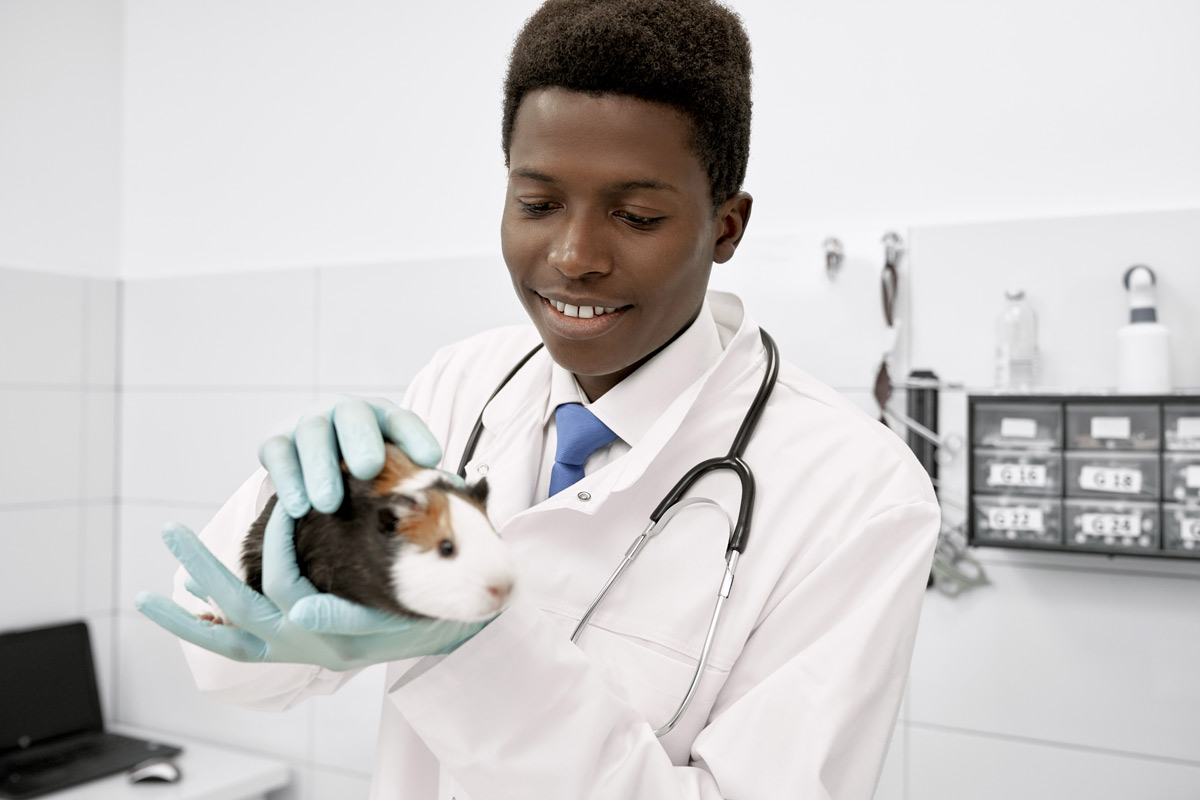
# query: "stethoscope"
[739,532]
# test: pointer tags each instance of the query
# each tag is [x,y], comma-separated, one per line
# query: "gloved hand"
[303,459]
[290,621]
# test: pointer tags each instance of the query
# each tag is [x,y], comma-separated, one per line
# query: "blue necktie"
[579,435]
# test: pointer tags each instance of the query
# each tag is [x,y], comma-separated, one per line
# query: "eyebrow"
[621,186]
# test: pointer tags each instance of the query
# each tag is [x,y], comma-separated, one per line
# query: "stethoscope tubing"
[673,502]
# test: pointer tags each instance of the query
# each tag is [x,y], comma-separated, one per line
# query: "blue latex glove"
[290,621]
[303,459]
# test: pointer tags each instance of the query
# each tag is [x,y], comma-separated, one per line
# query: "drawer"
[1181,427]
[1023,472]
[1181,529]
[1181,477]
[1131,476]
[1112,427]
[1025,520]
[1017,425]
[1111,527]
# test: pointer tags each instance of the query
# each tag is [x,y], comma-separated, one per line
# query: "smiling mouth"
[580,312]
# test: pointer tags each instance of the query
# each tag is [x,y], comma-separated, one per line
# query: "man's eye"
[638,221]
[536,209]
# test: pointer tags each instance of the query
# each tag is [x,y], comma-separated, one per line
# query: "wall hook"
[834,256]
[893,248]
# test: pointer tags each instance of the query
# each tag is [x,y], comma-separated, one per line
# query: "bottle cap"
[1015,294]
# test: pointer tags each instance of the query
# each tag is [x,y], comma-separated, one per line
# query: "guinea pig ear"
[387,521]
[479,492]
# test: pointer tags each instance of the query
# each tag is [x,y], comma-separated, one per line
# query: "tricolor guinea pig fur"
[408,541]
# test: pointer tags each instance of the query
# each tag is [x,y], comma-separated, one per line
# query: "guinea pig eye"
[446,548]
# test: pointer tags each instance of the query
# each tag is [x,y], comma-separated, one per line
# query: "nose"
[579,248]
[500,589]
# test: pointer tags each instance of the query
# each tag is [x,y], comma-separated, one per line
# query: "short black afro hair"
[692,55]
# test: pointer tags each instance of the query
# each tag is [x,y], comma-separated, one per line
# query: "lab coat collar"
[516,418]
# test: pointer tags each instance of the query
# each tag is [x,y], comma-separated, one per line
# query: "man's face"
[609,208]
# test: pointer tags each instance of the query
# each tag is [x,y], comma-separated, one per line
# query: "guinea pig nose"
[501,589]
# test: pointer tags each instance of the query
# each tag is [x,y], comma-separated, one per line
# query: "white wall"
[273,134]
[60,135]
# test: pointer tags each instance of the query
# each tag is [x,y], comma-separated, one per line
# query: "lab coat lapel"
[511,456]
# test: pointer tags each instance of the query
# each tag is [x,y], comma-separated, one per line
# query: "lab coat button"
[482,469]
[584,496]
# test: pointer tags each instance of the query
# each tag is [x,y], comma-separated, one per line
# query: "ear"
[479,492]
[732,218]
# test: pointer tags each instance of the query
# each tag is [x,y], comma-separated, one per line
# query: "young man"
[626,134]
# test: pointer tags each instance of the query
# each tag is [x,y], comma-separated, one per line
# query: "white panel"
[145,563]
[833,329]
[98,461]
[60,143]
[347,724]
[1071,271]
[1090,658]
[39,461]
[253,329]
[380,324]
[155,690]
[102,321]
[97,562]
[41,327]
[197,447]
[39,573]
[945,765]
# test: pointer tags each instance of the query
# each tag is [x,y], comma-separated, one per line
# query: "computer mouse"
[154,770]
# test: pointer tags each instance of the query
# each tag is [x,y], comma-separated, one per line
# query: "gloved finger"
[359,437]
[194,588]
[244,606]
[407,430]
[317,448]
[278,454]
[453,479]
[223,640]
[281,579]
[327,613]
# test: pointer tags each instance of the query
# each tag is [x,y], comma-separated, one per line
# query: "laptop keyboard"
[29,774]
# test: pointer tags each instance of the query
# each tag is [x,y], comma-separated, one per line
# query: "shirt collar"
[631,407]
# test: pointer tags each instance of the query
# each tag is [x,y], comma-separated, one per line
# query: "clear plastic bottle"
[1016,343]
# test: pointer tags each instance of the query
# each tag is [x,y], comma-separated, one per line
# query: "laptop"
[51,728]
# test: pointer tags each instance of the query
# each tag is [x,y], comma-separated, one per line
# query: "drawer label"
[1022,475]
[1017,428]
[1111,524]
[1110,427]
[1016,518]
[1188,427]
[1191,476]
[1189,529]
[1111,479]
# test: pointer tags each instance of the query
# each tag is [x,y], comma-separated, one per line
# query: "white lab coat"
[805,679]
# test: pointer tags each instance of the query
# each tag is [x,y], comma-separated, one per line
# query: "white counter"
[208,773]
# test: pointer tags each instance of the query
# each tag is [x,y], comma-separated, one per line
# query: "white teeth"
[582,312]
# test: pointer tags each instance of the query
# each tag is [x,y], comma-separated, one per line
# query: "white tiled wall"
[212,365]
[58,405]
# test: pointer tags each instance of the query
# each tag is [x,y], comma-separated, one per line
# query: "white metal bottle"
[1143,346]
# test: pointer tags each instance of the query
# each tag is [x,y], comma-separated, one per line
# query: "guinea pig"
[408,542]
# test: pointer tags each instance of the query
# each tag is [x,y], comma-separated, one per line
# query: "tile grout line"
[1075,747]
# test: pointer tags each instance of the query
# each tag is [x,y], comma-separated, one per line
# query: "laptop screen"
[47,685]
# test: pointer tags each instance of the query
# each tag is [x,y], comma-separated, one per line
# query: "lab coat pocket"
[654,679]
